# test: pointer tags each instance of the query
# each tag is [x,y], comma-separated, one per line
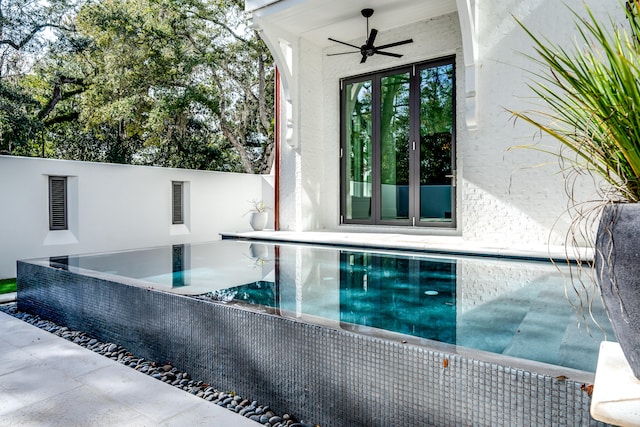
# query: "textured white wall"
[116,207]
[504,196]
[515,195]
[302,182]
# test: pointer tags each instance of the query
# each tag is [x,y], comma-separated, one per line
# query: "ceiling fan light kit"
[369,48]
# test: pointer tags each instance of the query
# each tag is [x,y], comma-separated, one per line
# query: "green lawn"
[7,285]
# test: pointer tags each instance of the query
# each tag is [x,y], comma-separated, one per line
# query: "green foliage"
[180,83]
[593,96]
[23,24]
[18,123]
[7,285]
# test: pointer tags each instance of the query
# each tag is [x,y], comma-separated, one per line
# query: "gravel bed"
[164,372]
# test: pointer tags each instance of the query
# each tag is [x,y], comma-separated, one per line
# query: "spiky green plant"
[592,92]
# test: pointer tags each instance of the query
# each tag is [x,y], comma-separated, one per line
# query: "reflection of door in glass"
[394,146]
[359,151]
[398,147]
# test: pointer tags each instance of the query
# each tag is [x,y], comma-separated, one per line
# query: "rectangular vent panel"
[58,203]
[177,215]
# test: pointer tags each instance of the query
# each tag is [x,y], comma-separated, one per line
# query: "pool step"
[538,336]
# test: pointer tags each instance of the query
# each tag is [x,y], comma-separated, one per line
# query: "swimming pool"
[504,306]
[313,346]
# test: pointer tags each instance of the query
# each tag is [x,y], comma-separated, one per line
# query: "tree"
[182,83]
[26,27]
[176,79]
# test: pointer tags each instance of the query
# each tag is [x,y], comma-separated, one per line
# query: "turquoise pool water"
[391,292]
[512,307]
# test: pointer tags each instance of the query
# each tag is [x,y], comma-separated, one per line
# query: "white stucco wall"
[503,195]
[515,195]
[116,207]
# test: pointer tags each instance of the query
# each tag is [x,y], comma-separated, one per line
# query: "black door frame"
[413,147]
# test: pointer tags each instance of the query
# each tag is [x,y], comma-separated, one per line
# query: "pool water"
[389,292]
[503,306]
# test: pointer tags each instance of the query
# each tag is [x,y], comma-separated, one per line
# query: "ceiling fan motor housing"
[367,13]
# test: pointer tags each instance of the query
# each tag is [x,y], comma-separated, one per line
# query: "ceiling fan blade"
[372,38]
[369,48]
[342,53]
[347,44]
[395,44]
[395,55]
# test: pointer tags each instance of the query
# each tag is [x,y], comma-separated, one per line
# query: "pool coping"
[8,297]
[428,244]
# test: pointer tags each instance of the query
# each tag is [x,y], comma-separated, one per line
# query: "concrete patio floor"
[46,380]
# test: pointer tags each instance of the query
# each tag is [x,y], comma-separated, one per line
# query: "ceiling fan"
[368,48]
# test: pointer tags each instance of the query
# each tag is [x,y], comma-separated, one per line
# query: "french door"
[398,146]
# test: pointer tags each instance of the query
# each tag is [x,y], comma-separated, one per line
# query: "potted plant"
[592,95]
[259,215]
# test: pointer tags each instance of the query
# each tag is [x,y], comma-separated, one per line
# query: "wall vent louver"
[58,203]
[177,203]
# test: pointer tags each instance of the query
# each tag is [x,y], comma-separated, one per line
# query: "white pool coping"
[438,244]
[8,297]
[616,391]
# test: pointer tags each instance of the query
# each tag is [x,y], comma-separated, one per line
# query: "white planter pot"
[258,220]
[259,251]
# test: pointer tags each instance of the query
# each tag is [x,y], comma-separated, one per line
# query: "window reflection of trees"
[359,104]
[395,129]
[436,107]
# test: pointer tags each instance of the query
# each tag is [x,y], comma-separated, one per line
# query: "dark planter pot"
[617,262]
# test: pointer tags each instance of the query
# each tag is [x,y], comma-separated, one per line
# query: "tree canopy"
[180,83]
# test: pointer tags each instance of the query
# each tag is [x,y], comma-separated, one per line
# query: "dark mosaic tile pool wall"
[323,375]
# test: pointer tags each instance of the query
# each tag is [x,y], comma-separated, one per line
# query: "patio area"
[47,380]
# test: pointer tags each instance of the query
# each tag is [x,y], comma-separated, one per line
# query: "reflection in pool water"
[502,306]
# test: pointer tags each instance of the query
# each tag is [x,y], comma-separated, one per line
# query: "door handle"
[453,178]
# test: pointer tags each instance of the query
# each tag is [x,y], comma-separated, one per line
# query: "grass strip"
[7,285]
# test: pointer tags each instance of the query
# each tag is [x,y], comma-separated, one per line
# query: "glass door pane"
[437,181]
[394,147]
[398,146]
[358,150]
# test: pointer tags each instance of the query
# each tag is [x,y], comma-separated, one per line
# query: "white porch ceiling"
[317,20]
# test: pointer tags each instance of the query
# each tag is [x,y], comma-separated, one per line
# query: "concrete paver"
[46,380]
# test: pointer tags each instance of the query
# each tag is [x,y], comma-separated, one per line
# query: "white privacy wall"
[511,197]
[116,207]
